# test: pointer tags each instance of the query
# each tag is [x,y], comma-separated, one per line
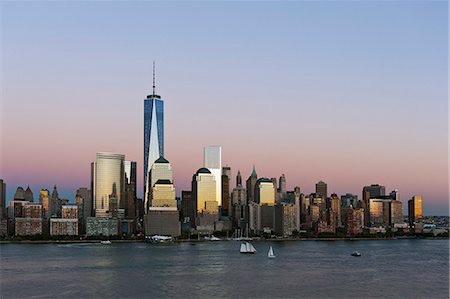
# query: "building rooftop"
[203,170]
[161,160]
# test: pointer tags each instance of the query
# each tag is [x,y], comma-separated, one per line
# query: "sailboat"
[270,253]
[247,248]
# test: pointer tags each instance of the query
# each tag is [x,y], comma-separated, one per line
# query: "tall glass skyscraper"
[153,133]
[108,182]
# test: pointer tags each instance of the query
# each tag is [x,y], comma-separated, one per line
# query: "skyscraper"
[153,133]
[204,191]
[321,189]
[226,182]
[160,170]
[44,200]
[130,189]
[212,159]
[108,182]
[29,195]
[250,185]
[415,209]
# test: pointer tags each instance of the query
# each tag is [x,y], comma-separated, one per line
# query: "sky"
[349,92]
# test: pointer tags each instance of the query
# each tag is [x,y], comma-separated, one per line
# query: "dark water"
[307,269]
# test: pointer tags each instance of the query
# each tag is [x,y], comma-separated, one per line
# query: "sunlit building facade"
[44,200]
[415,209]
[204,190]
[265,192]
[108,184]
[160,170]
[212,159]
[163,195]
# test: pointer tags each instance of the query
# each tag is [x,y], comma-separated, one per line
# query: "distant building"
[251,185]
[153,135]
[162,221]
[354,222]
[130,190]
[282,188]
[108,176]
[2,199]
[226,184]
[96,226]
[69,212]
[30,222]
[28,195]
[265,192]
[372,191]
[63,227]
[287,219]
[160,170]
[349,200]
[204,190]
[322,189]
[55,205]
[188,208]
[20,194]
[335,206]
[396,213]
[254,217]
[44,200]
[415,210]
[239,207]
[212,160]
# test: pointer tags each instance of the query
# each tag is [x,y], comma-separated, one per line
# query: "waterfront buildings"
[153,134]
[108,184]
[68,224]
[30,221]
[415,210]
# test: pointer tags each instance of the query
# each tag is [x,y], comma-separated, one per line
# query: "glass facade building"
[160,170]
[153,135]
[108,182]
[204,190]
[265,192]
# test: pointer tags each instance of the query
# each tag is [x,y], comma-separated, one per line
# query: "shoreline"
[224,240]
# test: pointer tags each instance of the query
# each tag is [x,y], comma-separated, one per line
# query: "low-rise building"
[96,226]
[63,227]
[162,221]
[28,226]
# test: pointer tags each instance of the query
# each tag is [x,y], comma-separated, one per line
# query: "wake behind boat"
[105,242]
[356,253]
[247,248]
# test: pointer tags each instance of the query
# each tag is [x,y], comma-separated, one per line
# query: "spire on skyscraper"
[154,79]
[254,171]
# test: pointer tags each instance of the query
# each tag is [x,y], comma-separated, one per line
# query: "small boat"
[212,238]
[247,248]
[160,239]
[270,253]
[356,253]
[105,242]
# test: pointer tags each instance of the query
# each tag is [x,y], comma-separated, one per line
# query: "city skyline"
[349,136]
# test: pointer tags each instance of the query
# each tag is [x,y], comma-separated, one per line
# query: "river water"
[301,269]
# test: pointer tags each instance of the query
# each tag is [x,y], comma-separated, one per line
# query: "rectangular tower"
[212,159]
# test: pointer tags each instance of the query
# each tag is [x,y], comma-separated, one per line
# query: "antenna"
[153,78]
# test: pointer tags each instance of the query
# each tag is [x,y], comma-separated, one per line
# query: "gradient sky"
[351,93]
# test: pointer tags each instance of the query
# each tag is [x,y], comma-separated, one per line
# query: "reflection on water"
[312,269]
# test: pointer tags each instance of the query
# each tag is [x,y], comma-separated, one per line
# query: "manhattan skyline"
[349,93]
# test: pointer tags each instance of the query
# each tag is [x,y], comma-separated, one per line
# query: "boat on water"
[356,253]
[159,239]
[270,253]
[105,242]
[247,248]
[212,238]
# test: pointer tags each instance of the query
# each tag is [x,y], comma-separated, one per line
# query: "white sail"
[248,248]
[243,248]
[270,253]
[252,249]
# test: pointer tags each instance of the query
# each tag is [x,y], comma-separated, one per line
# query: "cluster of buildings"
[260,205]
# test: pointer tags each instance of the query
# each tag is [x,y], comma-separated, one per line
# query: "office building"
[322,189]
[265,192]
[226,184]
[100,226]
[30,220]
[335,206]
[188,208]
[354,221]
[372,191]
[287,218]
[153,134]
[349,200]
[212,159]
[160,170]
[204,189]
[108,184]
[130,189]
[250,185]
[44,200]
[415,210]
[239,207]
[55,203]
